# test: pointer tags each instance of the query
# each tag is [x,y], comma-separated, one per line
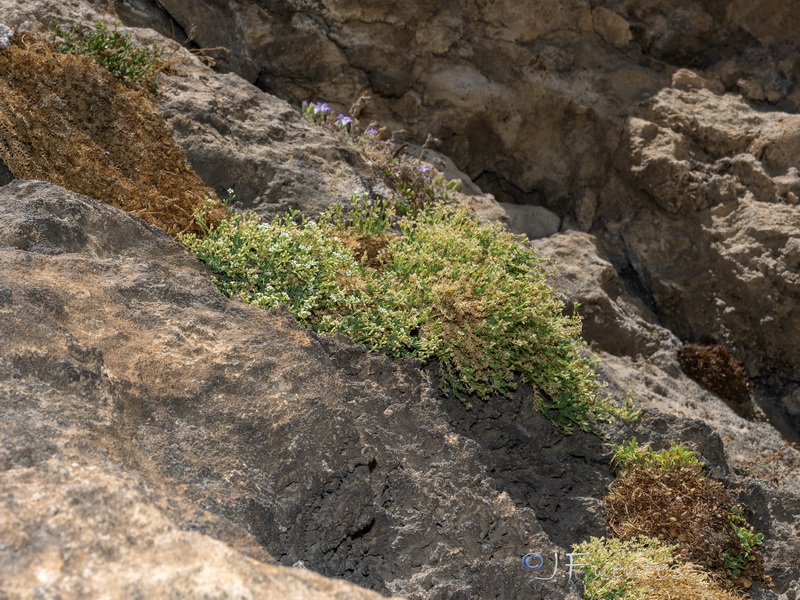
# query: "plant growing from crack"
[435,284]
[114,50]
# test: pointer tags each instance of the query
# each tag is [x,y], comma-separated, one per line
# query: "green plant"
[363,217]
[284,262]
[415,182]
[742,544]
[450,287]
[630,453]
[117,52]
[643,568]
[617,568]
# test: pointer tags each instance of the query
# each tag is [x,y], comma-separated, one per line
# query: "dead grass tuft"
[66,120]
[692,584]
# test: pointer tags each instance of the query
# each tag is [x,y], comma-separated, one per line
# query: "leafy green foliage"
[113,50]
[742,542]
[451,287]
[630,453]
[283,262]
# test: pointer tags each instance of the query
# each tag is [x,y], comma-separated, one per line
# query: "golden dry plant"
[66,120]
[644,568]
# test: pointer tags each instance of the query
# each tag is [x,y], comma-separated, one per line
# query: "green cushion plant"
[443,285]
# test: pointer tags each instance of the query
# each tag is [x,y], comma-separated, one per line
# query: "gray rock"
[122,357]
[532,221]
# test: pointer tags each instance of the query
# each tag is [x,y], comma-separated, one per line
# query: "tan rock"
[613,28]
[685,79]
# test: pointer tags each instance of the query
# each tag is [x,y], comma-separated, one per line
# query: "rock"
[6,176]
[533,221]
[6,33]
[792,403]
[717,177]
[122,357]
[503,86]
[444,71]
[74,527]
[538,110]
[684,79]
[615,320]
[236,137]
[614,29]
[768,20]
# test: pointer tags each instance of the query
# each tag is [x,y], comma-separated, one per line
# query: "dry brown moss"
[677,506]
[66,120]
[717,369]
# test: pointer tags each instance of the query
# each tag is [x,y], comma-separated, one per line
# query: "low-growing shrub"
[114,50]
[449,287]
[631,453]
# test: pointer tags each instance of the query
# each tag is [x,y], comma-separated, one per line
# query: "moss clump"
[64,119]
[446,286]
[716,368]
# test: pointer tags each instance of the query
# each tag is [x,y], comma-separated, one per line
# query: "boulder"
[712,239]
[128,378]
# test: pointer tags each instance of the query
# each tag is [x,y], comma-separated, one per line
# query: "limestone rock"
[713,238]
[525,96]
[613,28]
[122,357]
[236,137]
[533,221]
[615,320]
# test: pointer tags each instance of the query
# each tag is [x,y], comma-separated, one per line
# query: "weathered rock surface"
[525,93]
[239,138]
[709,235]
[121,356]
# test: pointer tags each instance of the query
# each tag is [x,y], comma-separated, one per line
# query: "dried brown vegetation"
[371,250]
[66,120]
[716,368]
[680,506]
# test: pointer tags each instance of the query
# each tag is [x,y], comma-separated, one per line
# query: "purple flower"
[321,107]
[424,169]
[343,120]
[372,131]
